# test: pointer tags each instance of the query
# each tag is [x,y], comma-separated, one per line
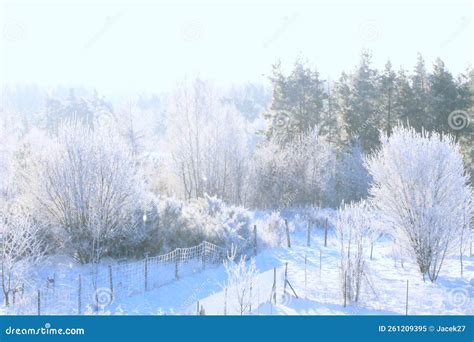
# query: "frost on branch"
[86,186]
[20,248]
[353,240]
[421,188]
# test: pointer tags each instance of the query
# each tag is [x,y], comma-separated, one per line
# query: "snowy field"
[320,295]
[315,286]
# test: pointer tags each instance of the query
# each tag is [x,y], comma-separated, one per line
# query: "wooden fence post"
[287,233]
[39,302]
[225,301]
[305,271]
[146,273]
[197,308]
[274,284]
[308,238]
[326,223]
[406,300]
[203,255]
[286,278]
[111,282]
[320,262]
[176,267]
[254,239]
[79,295]
[345,288]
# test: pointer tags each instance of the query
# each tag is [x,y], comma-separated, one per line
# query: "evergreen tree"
[404,99]
[361,118]
[297,104]
[420,86]
[442,97]
[387,90]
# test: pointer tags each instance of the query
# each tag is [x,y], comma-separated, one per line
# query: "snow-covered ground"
[316,286]
[320,295]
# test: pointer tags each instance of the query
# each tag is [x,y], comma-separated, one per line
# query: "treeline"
[366,100]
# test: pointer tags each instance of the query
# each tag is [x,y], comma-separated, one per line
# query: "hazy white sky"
[139,45]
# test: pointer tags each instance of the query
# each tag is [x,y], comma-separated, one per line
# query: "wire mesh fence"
[102,286]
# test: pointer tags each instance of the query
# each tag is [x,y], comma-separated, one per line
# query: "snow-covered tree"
[87,186]
[421,187]
[240,281]
[20,249]
[300,172]
[353,241]
[207,141]
[352,177]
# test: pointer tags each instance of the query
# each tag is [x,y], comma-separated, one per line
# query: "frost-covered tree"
[352,179]
[353,241]
[207,141]
[86,185]
[300,172]
[298,102]
[421,187]
[240,281]
[20,249]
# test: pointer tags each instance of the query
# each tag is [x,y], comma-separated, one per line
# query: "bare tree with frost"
[240,281]
[353,240]
[20,249]
[208,144]
[421,187]
[87,187]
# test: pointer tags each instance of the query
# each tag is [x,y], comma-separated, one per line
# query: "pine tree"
[297,105]
[442,97]
[386,96]
[404,99]
[420,86]
[361,118]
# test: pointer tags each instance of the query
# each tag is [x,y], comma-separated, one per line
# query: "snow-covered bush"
[86,186]
[421,187]
[188,223]
[298,173]
[240,281]
[271,230]
[352,179]
[208,143]
[351,229]
[20,249]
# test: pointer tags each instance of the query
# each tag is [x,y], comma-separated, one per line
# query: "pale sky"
[149,46]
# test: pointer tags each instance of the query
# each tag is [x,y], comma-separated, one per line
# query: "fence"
[104,285]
